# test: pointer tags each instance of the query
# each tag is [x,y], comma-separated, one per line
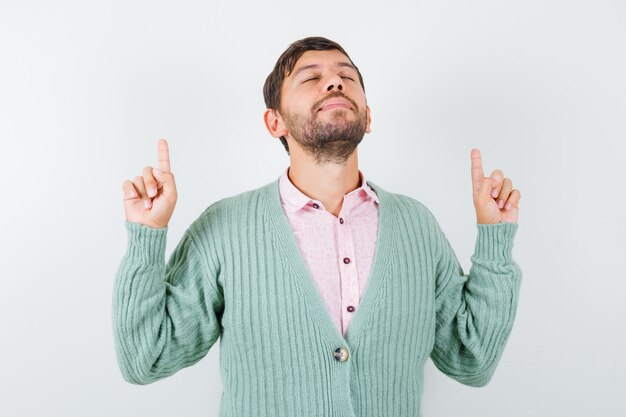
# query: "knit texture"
[237,275]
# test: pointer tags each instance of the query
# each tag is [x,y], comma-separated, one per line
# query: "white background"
[88,88]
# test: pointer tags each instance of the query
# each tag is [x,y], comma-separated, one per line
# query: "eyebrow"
[314,66]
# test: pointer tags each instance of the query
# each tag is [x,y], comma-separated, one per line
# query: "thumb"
[167,179]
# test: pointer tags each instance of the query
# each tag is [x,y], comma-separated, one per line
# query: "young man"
[328,292]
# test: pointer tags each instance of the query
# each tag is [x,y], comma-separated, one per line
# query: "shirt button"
[341,220]
[346,260]
[341,354]
[315,205]
[350,309]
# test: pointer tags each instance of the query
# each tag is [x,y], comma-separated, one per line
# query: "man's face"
[324,107]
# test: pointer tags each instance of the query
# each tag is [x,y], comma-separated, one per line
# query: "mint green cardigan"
[237,274]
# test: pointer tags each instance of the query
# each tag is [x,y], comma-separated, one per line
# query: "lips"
[335,103]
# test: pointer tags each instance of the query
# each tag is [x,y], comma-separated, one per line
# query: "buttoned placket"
[350,290]
[348,274]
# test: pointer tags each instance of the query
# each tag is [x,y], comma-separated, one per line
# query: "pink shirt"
[338,250]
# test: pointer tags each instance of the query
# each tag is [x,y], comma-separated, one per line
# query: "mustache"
[334,95]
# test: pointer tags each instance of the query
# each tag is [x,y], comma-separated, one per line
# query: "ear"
[274,123]
[369,120]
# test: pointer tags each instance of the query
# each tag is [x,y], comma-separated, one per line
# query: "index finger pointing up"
[164,156]
[477,166]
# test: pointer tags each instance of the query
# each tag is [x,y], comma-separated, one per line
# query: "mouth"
[335,103]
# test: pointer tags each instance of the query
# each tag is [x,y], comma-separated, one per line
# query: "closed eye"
[315,78]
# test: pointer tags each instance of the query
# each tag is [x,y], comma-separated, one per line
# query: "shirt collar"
[294,199]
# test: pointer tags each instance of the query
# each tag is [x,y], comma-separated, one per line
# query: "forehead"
[321,58]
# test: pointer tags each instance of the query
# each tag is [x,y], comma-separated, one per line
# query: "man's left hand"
[495,199]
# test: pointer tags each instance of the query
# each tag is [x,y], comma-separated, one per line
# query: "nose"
[334,81]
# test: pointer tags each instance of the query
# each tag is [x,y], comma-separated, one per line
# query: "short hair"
[285,64]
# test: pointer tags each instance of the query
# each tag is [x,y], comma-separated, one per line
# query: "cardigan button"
[341,220]
[315,205]
[341,354]
[346,260]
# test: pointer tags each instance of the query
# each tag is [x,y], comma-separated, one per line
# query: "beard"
[327,141]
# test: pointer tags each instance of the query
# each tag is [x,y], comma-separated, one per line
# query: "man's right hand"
[150,198]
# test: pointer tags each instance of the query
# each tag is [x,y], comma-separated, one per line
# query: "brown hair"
[286,63]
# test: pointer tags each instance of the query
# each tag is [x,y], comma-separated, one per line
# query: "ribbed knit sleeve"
[475,312]
[165,316]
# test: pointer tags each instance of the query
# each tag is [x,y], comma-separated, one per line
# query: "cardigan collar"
[383,257]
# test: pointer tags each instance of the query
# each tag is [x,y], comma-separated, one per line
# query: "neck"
[327,182]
